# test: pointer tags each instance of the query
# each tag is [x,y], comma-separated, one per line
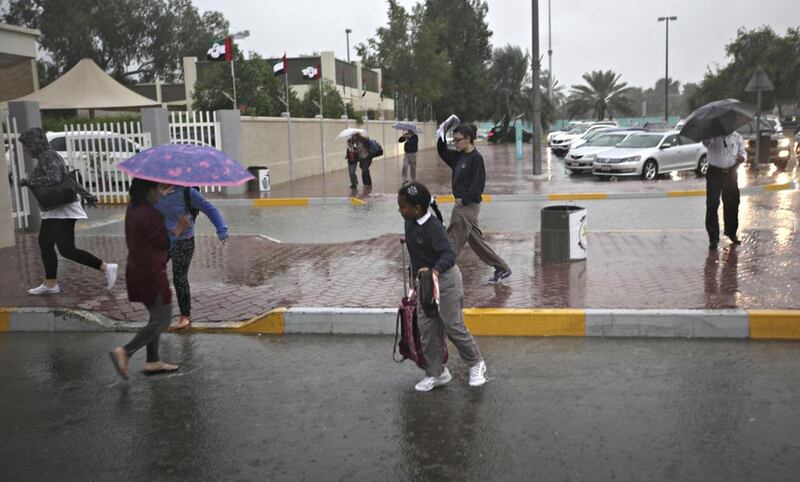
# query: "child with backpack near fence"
[176,202]
[432,254]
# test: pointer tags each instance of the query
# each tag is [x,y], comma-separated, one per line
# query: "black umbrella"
[718,118]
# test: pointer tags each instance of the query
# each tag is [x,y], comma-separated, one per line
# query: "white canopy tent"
[86,86]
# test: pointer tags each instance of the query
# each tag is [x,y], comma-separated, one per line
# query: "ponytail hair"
[418,195]
[139,190]
[467,130]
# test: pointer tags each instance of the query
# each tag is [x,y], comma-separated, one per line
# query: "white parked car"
[562,143]
[647,155]
[582,158]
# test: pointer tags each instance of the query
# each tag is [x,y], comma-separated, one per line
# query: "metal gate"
[195,127]
[14,159]
[94,150]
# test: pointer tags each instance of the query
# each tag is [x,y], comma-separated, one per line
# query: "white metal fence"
[195,127]
[13,157]
[96,149]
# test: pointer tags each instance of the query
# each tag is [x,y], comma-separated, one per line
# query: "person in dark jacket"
[469,180]
[58,222]
[146,275]
[411,147]
[430,250]
[358,155]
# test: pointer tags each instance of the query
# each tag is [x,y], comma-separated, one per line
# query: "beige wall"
[18,80]
[265,143]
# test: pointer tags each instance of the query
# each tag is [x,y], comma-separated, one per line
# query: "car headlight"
[784,142]
[631,159]
[589,157]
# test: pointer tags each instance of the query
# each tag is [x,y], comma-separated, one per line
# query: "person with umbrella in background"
[146,275]
[410,149]
[358,155]
[715,125]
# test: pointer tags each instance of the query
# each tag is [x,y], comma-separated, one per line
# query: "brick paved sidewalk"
[252,275]
[504,175]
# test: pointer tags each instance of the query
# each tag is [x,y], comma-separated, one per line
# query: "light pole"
[666,69]
[537,97]
[237,35]
[549,53]
[347,33]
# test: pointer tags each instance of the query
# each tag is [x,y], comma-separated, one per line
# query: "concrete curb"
[625,323]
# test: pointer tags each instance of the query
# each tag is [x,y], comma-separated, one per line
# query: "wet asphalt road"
[336,408]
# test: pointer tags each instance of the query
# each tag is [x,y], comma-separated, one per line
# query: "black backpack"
[187,199]
[374,148]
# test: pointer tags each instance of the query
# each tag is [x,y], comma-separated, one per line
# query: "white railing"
[195,127]
[96,149]
[14,159]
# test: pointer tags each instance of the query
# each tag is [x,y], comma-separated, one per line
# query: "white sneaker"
[429,383]
[43,289]
[111,274]
[477,374]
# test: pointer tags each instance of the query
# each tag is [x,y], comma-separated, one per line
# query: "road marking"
[268,238]
[525,322]
[774,324]
[287,201]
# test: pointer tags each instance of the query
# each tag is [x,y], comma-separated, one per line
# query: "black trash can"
[261,183]
[563,233]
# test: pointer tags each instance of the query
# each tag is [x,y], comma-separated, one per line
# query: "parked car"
[581,158]
[570,125]
[779,144]
[562,143]
[494,135]
[657,126]
[647,155]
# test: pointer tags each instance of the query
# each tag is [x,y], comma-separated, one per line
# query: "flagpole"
[289,123]
[322,131]
[233,77]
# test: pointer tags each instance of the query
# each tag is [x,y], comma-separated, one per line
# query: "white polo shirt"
[723,151]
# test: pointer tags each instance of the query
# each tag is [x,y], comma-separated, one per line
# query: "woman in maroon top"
[146,275]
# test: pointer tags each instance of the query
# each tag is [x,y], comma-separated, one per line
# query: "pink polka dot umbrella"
[186,165]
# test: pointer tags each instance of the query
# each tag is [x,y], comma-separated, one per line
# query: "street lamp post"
[237,35]
[537,99]
[549,53]
[666,69]
[347,33]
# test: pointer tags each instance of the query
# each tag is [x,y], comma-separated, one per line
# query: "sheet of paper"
[451,121]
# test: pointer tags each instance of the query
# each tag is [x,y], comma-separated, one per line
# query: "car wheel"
[650,170]
[702,166]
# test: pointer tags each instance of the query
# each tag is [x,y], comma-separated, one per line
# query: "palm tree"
[603,96]
[509,76]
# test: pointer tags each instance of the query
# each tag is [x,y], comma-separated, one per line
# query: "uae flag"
[312,73]
[221,49]
[280,67]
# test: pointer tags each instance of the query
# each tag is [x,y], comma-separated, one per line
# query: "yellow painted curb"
[357,202]
[271,322]
[287,201]
[5,319]
[774,324]
[450,199]
[577,195]
[537,322]
[779,187]
[696,192]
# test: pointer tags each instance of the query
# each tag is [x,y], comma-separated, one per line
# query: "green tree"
[602,96]
[130,39]
[390,49]
[778,55]
[332,103]
[509,74]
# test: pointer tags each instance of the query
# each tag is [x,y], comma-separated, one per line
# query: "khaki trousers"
[464,229]
[450,321]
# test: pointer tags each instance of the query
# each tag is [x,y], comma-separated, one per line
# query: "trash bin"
[261,181]
[563,233]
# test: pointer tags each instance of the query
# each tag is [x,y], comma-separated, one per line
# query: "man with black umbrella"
[725,153]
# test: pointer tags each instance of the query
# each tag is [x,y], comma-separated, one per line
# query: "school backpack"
[374,148]
[187,199]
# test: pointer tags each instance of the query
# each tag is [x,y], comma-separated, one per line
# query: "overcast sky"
[622,35]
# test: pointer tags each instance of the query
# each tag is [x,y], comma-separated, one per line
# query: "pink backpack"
[406,335]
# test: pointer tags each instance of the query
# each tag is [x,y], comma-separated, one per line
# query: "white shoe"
[43,289]
[111,274]
[477,374]
[429,383]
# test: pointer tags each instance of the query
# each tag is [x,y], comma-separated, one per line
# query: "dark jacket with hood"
[50,168]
